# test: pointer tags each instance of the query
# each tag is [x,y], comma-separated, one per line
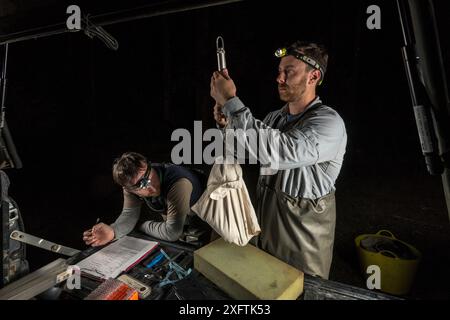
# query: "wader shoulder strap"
[294,123]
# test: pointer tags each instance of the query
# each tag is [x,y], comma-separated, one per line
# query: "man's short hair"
[313,50]
[127,166]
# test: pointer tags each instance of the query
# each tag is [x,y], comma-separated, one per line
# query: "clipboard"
[116,258]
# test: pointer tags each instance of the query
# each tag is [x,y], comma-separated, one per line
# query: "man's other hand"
[99,235]
[220,118]
[222,87]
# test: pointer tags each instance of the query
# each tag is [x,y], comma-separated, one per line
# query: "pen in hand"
[93,228]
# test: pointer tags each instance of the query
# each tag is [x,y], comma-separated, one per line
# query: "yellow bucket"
[396,273]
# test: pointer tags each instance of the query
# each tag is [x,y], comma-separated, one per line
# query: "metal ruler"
[37,282]
[42,243]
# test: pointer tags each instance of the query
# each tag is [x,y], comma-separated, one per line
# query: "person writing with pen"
[167,189]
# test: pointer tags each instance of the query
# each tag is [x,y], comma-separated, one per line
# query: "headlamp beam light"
[280,53]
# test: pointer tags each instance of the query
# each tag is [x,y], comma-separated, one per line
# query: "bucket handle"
[388,253]
[386,233]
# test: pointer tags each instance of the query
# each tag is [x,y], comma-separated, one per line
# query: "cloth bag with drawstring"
[225,205]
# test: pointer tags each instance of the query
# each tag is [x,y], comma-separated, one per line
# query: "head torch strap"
[280,53]
[310,62]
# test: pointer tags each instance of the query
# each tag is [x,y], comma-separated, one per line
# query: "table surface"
[196,287]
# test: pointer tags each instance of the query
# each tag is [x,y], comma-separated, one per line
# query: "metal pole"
[422,109]
[8,150]
[421,36]
[113,18]
[3,85]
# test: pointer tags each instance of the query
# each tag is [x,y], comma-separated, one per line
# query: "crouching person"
[167,189]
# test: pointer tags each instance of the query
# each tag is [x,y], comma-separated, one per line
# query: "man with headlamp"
[295,198]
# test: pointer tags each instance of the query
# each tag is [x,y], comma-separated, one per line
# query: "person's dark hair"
[313,50]
[127,166]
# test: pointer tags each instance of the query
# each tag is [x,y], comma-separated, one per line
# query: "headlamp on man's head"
[282,52]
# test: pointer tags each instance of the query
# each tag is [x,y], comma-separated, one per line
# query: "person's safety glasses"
[144,182]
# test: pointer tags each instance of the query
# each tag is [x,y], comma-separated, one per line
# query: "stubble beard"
[293,93]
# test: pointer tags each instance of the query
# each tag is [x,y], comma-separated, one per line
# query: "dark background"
[73,106]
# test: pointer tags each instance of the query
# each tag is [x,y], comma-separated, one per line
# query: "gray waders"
[298,231]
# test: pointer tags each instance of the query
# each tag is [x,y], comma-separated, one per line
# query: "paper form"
[117,257]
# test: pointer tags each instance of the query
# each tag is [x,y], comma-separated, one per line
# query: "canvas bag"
[226,205]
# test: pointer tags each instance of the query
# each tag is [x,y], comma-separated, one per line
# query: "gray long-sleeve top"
[178,207]
[310,153]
